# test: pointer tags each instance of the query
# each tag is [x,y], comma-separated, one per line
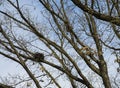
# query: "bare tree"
[70,39]
[5,86]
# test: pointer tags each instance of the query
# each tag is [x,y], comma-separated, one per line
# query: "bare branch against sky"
[60,43]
